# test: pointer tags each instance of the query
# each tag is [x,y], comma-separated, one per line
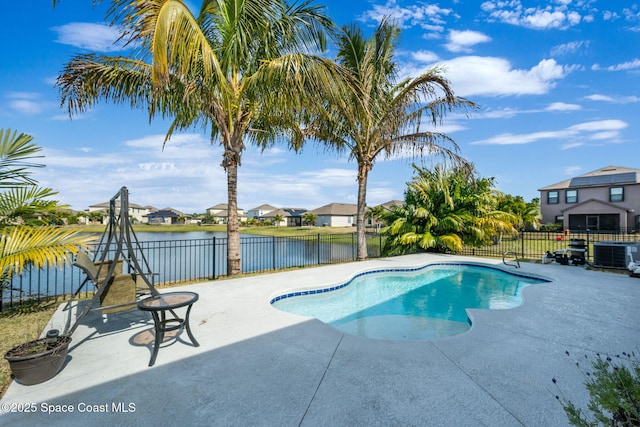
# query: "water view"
[179,257]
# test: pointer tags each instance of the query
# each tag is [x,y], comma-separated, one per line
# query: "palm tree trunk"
[363,171]
[234,266]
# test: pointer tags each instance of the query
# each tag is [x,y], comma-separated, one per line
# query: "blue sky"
[557,82]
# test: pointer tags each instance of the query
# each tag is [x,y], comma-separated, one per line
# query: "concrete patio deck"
[257,366]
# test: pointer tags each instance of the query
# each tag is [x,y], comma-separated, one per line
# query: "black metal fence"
[184,261]
[533,245]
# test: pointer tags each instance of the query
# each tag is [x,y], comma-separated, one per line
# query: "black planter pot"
[38,361]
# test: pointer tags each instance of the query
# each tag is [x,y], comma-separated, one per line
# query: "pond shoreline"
[257,230]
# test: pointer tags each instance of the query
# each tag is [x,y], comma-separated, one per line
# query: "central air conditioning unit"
[615,254]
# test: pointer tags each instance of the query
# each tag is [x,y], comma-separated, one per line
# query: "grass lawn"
[19,325]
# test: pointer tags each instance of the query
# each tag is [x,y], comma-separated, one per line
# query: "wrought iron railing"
[193,260]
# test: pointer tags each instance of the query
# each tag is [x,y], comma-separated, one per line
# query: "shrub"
[614,390]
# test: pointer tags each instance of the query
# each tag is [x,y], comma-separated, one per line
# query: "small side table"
[158,306]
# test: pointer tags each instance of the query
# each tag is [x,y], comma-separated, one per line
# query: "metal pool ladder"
[515,255]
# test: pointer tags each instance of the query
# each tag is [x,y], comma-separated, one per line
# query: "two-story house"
[260,210]
[606,199]
[137,213]
[220,213]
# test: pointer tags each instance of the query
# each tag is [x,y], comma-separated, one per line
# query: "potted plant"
[26,240]
[39,360]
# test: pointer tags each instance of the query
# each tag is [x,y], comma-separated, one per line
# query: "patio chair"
[117,291]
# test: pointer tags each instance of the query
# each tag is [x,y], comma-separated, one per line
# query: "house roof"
[336,209]
[166,213]
[285,212]
[264,207]
[392,203]
[219,206]
[605,176]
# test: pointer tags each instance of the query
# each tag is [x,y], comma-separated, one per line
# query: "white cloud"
[588,130]
[89,36]
[491,76]
[426,16]
[425,56]
[571,145]
[463,41]
[598,97]
[562,106]
[28,103]
[599,125]
[570,48]
[26,106]
[538,18]
[505,113]
[615,100]
[625,66]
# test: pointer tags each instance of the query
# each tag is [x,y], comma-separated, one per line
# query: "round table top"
[168,301]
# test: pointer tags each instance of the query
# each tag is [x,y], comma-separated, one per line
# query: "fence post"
[318,248]
[214,257]
[522,243]
[273,252]
[587,246]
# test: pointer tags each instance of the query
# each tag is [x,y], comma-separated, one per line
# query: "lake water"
[183,257]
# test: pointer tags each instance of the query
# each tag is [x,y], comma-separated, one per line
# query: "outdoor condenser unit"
[614,254]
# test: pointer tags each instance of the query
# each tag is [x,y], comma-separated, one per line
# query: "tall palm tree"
[379,114]
[240,68]
[23,245]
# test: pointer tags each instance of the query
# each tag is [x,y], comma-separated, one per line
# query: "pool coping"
[260,366]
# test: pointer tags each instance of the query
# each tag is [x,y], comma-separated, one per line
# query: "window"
[616,194]
[571,196]
[553,198]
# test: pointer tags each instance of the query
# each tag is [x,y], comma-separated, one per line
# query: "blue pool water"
[416,304]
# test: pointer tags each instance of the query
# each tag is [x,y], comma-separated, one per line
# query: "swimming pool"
[409,304]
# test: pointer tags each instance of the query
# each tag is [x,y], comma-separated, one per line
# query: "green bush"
[614,390]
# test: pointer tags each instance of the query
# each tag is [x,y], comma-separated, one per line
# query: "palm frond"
[25,202]
[21,246]
[16,153]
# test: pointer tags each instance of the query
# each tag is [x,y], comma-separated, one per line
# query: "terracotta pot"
[37,361]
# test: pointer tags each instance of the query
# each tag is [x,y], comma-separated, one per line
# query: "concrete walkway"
[257,366]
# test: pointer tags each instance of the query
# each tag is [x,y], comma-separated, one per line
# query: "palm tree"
[379,115]
[527,213]
[23,245]
[239,68]
[444,210]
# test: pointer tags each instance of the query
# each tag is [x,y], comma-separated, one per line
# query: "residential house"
[137,213]
[291,217]
[336,215]
[164,216]
[260,210]
[606,199]
[376,223]
[220,213]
